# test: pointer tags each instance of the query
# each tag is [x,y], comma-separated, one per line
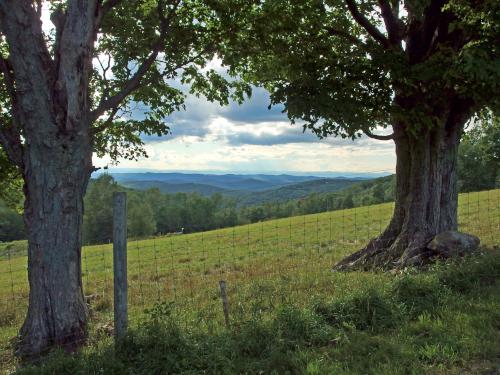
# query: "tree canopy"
[346,67]
[144,51]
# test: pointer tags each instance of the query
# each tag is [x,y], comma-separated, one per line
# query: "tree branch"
[134,82]
[39,8]
[432,17]
[130,86]
[10,137]
[58,18]
[107,122]
[378,137]
[109,5]
[6,69]
[424,33]
[346,35]
[392,23]
[366,24]
[114,110]
[11,143]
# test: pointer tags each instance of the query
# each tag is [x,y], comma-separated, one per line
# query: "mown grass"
[268,266]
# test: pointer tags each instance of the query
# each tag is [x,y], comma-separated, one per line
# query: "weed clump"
[464,276]
[417,294]
[368,309]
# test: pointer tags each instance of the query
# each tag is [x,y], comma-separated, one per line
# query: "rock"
[452,243]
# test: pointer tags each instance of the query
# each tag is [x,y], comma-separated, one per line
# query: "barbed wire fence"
[262,265]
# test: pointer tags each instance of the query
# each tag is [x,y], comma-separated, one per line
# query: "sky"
[250,138]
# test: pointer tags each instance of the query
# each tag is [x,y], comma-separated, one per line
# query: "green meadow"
[278,265]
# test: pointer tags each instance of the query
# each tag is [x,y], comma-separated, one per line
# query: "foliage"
[11,188]
[346,67]
[11,224]
[364,193]
[152,212]
[98,217]
[131,86]
[193,33]
[479,155]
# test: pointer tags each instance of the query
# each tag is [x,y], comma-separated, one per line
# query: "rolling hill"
[172,188]
[246,189]
[250,182]
[297,191]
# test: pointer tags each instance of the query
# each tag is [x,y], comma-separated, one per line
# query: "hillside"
[298,190]
[172,188]
[246,189]
[266,265]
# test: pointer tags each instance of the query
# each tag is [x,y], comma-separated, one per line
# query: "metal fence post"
[120,262]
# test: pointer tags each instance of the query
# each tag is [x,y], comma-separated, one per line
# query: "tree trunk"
[51,122]
[55,181]
[426,197]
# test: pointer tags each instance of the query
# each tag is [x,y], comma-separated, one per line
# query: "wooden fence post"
[120,262]
[225,302]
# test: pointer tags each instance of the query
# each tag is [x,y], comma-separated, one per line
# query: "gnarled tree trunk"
[55,181]
[51,142]
[426,195]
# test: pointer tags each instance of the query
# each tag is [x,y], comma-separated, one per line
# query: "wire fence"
[294,253]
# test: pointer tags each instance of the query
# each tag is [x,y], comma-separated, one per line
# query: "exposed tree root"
[38,338]
[388,252]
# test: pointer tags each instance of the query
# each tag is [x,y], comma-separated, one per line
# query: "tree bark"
[55,183]
[51,104]
[426,195]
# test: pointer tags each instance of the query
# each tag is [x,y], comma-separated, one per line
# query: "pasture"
[265,265]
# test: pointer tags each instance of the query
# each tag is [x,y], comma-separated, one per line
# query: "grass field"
[267,266]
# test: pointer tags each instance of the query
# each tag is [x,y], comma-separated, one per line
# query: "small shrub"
[298,327]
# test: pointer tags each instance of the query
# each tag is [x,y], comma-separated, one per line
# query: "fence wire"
[291,254]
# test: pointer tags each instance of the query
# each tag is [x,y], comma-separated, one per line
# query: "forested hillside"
[153,211]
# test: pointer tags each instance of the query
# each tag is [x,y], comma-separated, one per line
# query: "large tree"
[68,91]
[419,69]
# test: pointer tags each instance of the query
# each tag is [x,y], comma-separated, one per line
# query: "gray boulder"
[453,243]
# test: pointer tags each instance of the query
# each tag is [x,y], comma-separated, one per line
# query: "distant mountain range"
[246,189]
[250,182]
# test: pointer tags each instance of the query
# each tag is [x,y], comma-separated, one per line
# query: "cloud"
[199,113]
[193,154]
[249,138]
[254,110]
